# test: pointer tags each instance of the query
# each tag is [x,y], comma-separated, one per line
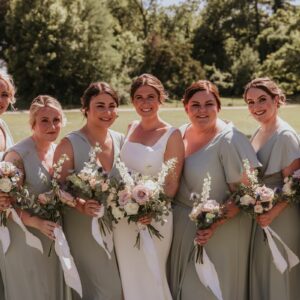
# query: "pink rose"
[210,206]
[141,194]
[266,194]
[123,197]
[297,174]
[45,198]
[66,198]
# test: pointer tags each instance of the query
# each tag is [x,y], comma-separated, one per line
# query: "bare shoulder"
[64,147]
[15,158]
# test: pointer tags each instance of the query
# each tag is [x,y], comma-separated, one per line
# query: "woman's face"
[102,111]
[146,101]
[261,105]
[48,123]
[202,109]
[5,97]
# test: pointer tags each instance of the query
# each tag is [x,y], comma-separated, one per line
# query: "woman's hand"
[91,208]
[5,201]
[145,220]
[266,219]
[203,235]
[44,226]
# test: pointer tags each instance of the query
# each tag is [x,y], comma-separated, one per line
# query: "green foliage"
[58,47]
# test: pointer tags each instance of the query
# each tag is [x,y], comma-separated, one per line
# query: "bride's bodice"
[145,159]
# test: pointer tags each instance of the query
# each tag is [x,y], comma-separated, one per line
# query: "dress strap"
[131,129]
[163,141]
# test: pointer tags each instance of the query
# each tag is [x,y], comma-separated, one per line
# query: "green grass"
[19,126]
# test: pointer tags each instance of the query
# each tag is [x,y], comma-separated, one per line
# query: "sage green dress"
[99,275]
[266,282]
[9,142]
[29,274]
[229,246]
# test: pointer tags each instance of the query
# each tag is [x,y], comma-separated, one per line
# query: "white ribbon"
[62,250]
[278,259]
[148,248]
[31,239]
[4,238]
[208,275]
[105,242]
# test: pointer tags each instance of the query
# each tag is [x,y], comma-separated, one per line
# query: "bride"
[148,144]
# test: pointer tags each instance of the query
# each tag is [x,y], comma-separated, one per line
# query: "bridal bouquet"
[93,183]
[141,195]
[204,214]
[257,199]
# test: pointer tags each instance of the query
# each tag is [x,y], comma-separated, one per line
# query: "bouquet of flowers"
[92,182]
[141,195]
[255,199]
[10,177]
[205,212]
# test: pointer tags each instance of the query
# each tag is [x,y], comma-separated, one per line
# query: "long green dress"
[9,142]
[266,282]
[99,275]
[28,274]
[229,246]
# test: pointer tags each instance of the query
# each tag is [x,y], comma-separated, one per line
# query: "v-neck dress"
[266,282]
[28,274]
[138,281]
[8,143]
[99,275]
[228,248]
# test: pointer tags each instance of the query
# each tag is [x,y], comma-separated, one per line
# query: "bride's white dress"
[138,282]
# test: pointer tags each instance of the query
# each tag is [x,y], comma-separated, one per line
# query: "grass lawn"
[19,126]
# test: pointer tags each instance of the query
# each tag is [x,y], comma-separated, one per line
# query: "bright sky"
[170,2]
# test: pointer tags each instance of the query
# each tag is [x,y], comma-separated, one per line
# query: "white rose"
[117,213]
[104,186]
[5,185]
[131,208]
[287,188]
[258,209]
[246,200]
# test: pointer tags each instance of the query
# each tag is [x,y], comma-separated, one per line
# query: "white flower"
[258,209]
[5,185]
[196,211]
[287,188]
[7,168]
[266,194]
[297,174]
[246,200]
[110,199]
[117,213]
[211,206]
[104,186]
[131,208]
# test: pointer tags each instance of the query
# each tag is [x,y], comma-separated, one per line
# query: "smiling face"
[261,105]
[102,110]
[47,124]
[146,101]
[202,109]
[5,97]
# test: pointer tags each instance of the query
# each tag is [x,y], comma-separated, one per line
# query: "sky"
[170,2]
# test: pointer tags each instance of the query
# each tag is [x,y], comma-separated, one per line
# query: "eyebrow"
[257,98]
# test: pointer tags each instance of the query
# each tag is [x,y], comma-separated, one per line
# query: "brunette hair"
[268,86]
[150,80]
[10,85]
[44,101]
[201,85]
[95,89]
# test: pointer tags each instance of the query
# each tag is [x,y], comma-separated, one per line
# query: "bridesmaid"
[218,148]
[149,143]
[99,275]
[28,274]
[7,96]
[278,149]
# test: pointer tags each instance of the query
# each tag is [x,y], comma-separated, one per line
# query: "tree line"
[59,46]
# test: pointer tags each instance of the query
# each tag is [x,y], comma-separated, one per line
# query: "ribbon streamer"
[105,242]
[278,259]
[148,248]
[4,238]
[62,250]
[208,275]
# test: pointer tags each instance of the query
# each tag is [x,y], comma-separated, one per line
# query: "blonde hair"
[268,86]
[44,101]
[10,84]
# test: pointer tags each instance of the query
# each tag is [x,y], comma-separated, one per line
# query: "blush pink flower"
[123,197]
[141,194]
[297,174]
[266,194]
[210,206]
[66,198]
